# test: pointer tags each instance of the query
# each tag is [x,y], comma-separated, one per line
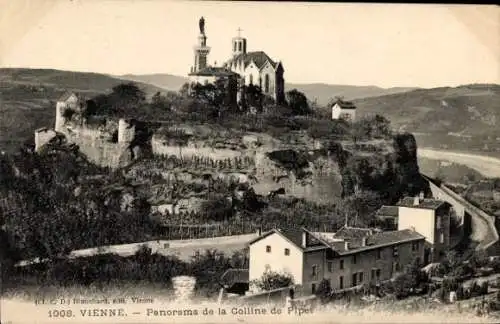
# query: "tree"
[253,96]
[273,280]
[324,290]
[297,102]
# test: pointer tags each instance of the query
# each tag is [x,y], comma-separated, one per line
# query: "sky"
[386,45]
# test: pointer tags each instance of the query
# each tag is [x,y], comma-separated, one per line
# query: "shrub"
[324,290]
[273,280]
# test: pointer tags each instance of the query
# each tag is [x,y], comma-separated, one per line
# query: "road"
[486,165]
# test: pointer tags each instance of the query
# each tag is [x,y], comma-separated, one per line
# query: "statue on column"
[202,25]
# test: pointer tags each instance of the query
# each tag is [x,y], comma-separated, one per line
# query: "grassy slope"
[27,98]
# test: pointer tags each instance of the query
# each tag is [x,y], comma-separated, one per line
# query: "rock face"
[316,179]
[392,173]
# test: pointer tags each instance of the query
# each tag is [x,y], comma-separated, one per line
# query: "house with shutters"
[348,258]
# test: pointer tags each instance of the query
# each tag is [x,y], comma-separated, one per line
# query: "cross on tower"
[239,32]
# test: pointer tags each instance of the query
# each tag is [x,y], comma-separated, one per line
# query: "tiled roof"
[232,276]
[214,71]
[388,211]
[355,239]
[384,238]
[294,235]
[345,104]
[373,241]
[259,58]
[353,233]
[426,203]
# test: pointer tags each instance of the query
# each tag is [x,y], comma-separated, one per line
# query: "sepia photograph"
[175,161]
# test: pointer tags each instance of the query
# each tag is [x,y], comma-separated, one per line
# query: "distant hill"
[27,98]
[162,80]
[324,92]
[319,91]
[472,110]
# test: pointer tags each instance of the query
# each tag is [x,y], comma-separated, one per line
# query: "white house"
[345,110]
[348,258]
[429,217]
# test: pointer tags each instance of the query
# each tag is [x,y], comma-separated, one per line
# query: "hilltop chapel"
[243,68]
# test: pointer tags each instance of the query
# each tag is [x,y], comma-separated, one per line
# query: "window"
[395,266]
[354,279]
[341,265]
[266,83]
[378,273]
[438,222]
[314,270]
[329,265]
[414,246]
[287,251]
[268,249]
[441,237]
[374,272]
[354,259]
[395,252]
[379,254]
[234,47]
[313,288]
[341,282]
[251,79]
[360,277]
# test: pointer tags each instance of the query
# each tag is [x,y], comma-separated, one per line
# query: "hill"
[27,98]
[320,91]
[465,118]
[324,92]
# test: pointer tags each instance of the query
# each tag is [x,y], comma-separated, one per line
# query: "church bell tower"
[239,44]
[201,50]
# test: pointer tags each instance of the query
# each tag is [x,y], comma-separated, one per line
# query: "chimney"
[363,241]
[416,201]
[304,239]
[346,245]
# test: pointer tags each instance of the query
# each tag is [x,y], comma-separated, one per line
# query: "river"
[486,165]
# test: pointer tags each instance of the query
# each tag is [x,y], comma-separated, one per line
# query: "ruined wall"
[162,147]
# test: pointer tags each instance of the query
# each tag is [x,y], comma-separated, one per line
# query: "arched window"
[251,79]
[266,83]
[239,46]
[234,46]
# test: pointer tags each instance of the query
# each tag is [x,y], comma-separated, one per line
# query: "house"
[348,258]
[345,110]
[429,217]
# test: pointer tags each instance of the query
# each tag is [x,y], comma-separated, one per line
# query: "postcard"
[254,162]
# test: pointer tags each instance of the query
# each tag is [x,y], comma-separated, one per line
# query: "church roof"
[214,71]
[259,58]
